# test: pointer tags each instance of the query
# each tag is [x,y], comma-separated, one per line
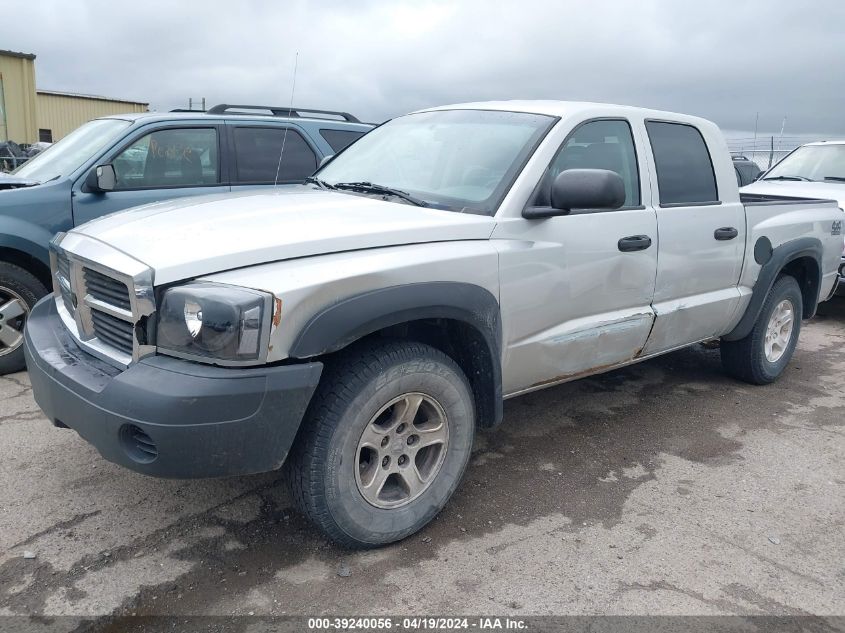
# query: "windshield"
[812,162]
[72,151]
[460,160]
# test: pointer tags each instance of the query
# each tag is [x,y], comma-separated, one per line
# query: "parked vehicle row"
[118,162]
[358,329]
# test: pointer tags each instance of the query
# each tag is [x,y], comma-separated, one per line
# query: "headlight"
[214,321]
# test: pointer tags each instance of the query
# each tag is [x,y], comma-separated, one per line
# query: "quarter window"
[684,169]
[184,157]
[339,139]
[604,144]
[257,151]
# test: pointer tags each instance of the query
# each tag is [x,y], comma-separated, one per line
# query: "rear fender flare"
[779,258]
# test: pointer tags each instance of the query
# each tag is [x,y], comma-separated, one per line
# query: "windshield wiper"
[789,178]
[322,184]
[837,178]
[368,187]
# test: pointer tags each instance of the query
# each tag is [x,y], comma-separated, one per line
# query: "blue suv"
[123,161]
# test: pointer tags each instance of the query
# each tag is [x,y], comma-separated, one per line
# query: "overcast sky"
[725,60]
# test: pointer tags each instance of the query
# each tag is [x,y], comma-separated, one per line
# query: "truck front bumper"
[164,416]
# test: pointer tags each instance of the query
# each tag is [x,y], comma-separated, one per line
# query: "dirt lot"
[662,488]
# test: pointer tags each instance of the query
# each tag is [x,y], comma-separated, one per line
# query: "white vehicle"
[359,328]
[814,170]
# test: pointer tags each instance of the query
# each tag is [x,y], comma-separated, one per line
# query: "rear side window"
[257,152]
[684,169]
[339,139]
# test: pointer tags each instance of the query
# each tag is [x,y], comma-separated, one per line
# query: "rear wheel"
[761,357]
[385,443]
[19,291]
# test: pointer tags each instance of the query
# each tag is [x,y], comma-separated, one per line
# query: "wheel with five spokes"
[385,442]
[19,291]
[763,354]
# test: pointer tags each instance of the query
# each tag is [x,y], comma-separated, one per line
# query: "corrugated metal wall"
[17,119]
[63,113]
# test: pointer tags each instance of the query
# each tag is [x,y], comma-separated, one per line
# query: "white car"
[814,170]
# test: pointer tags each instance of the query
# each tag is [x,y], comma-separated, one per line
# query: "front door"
[576,290]
[171,162]
[702,240]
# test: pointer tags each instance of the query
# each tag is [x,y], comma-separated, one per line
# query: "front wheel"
[761,357]
[19,291]
[385,443]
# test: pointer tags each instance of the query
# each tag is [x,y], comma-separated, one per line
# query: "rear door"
[702,238]
[266,155]
[167,162]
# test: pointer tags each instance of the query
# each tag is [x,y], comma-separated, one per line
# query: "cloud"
[719,59]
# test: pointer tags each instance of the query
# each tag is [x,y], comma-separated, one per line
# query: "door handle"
[725,233]
[634,243]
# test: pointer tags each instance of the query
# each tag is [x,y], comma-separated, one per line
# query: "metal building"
[60,113]
[17,97]
[28,115]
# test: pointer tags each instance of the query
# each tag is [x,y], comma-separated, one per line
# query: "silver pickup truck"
[359,328]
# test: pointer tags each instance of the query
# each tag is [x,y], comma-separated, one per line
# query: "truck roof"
[567,108]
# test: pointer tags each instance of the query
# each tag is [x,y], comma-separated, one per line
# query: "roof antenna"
[285,137]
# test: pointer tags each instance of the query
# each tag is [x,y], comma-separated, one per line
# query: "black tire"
[324,463]
[746,359]
[16,283]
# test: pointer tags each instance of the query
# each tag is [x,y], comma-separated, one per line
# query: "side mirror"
[325,160]
[582,189]
[101,179]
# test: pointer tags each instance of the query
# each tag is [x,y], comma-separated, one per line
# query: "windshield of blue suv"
[71,152]
[460,160]
[821,163]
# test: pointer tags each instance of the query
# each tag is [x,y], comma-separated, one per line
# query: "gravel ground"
[663,488]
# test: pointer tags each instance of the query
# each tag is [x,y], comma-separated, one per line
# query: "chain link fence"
[766,150]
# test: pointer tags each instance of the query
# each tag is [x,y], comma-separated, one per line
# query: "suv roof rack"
[225,108]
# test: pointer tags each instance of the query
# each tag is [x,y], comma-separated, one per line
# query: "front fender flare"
[353,318]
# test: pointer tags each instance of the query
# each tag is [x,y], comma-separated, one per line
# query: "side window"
[601,145]
[684,169]
[257,151]
[184,157]
[339,139]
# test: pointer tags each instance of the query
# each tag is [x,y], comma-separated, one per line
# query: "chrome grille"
[113,331]
[106,289]
[63,282]
[103,296]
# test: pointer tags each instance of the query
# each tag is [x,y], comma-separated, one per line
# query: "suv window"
[257,151]
[177,157]
[684,169]
[604,144]
[339,139]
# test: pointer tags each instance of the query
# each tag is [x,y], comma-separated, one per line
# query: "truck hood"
[186,238]
[801,189]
